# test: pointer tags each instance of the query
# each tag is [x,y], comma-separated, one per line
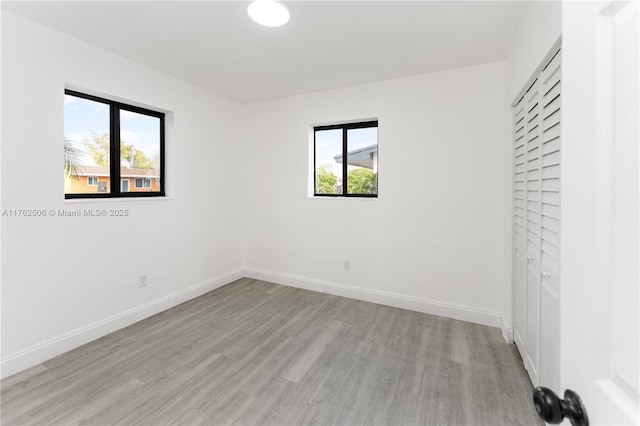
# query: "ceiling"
[325,45]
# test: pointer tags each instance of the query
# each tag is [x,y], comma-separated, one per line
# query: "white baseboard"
[463,313]
[507,332]
[55,346]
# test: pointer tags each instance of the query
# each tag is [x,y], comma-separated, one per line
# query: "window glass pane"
[362,161]
[86,146]
[143,183]
[328,161]
[140,151]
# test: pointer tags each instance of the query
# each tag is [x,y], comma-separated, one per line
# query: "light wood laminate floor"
[254,352]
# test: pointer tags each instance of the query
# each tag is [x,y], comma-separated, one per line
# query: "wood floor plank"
[257,353]
[313,352]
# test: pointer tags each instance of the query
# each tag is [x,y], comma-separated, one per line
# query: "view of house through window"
[143,183]
[358,175]
[97,131]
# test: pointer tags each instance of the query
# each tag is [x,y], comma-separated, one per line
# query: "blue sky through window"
[329,144]
[83,116]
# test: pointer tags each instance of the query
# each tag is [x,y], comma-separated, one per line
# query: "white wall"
[541,26]
[433,240]
[68,280]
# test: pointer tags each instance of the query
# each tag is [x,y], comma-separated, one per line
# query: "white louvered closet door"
[536,223]
[550,225]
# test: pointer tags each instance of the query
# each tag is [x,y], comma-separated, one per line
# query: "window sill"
[116,200]
[313,197]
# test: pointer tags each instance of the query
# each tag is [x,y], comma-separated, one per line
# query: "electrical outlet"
[143,280]
[346,265]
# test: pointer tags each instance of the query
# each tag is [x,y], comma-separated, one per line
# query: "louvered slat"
[550,210]
[550,146]
[551,185]
[551,236]
[552,159]
[552,198]
[551,172]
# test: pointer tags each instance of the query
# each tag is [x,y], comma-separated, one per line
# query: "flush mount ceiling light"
[271,13]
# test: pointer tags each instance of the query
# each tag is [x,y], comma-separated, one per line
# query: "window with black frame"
[109,145]
[346,160]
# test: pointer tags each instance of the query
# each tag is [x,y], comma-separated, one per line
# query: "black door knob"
[552,409]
